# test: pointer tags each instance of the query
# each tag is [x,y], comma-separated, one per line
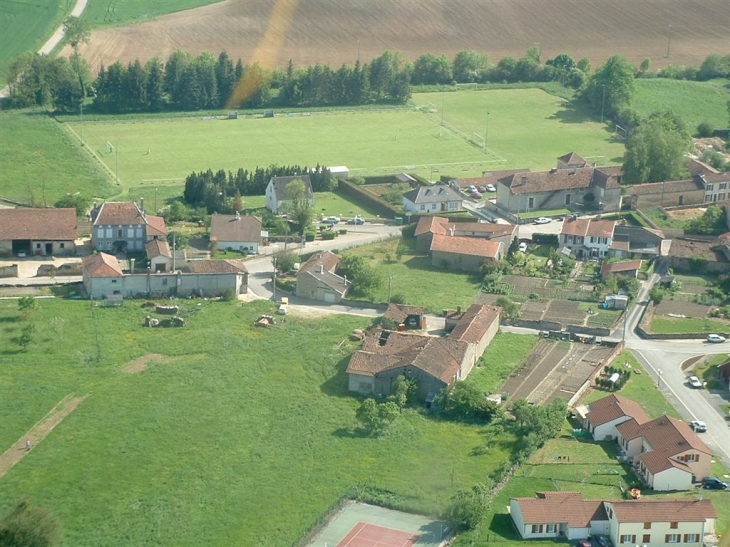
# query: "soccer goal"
[472,86]
[109,148]
[621,132]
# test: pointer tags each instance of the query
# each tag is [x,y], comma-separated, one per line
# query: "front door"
[49,249]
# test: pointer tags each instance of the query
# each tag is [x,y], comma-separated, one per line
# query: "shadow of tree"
[336,385]
[573,115]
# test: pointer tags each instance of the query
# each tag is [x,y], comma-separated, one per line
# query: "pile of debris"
[167,322]
[264,321]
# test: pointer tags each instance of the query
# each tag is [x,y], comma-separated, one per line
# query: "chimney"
[141,205]
[131,265]
[321,268]
[524,179]
[345,278]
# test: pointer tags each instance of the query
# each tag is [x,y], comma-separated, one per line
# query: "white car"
[22,254]
[491,188]
[694,382]
[542,220]
[715,338]
[331,220]
[523,247]
[698,426]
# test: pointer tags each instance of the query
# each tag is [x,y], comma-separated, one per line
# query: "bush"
[704,129]
[548,239]
[328,234]
[309,236]
[409,230]
[342,231]
[228,295]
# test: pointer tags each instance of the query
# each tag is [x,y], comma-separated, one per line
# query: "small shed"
[616,302]
[340,171]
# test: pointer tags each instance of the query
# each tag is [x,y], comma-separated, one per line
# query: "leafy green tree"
[513,247]
[645,65]
[655,151]
[376,418]
[299,206]
[75,201]
[714,66]
[177,239]
[26,336]
[611,88]
[76,31]
[27,525]
[704,129]
[27,303]
[432,69]
[713,221]
[509,309]
[584,65]
[657,294]
[468,506]
[405,391]
[155,71]
[466,402]
[470,66]
[285,260]
[365,279]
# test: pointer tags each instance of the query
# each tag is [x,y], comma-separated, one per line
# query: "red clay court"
[370,535]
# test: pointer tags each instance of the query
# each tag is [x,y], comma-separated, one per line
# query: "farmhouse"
[665,452]
[626,522]
[317,280]
[277,196]
[601,417]
[41,232]
[587,238]
[103,277]
[428,199]
[560,188]
[464,253]
[428,226]
[121,226]
[409,317]
[434,361]
[666,194]
[236,232]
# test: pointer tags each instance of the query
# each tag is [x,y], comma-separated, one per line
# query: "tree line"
[219,191]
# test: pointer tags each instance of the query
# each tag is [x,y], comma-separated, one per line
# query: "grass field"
[527,126]
[40,162]
[240,436]
[694,102]
[503,355]
[100,14]
[26,26]
[673,325]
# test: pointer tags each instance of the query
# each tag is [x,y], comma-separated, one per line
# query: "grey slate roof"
[437,193]
[280,184]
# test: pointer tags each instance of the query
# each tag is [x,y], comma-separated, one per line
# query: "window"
[530,203]
[567,199]
[691,538]
[37,245]
[674,525]
[119,233]
[646,538]
[550,528]
[709,188]
[627,538]
[130,233]
[114,280]
[691,458]
[423,207]
[62,245]
[723,186]
[164,282]
[721,196]
[671,538]
[537,528]
[109,233]
[593,239]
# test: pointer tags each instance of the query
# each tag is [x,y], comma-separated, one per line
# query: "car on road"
[542,220]
[715,338]
[331,220]
[698,426]
[694,382]
[357,221]
[523,247]
[491,188]
[713,483]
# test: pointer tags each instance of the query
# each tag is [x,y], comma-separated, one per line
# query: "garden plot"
[565,312]
[533,311]
[675,308]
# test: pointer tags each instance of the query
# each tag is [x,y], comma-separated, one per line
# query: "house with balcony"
[665,452]
[587,238]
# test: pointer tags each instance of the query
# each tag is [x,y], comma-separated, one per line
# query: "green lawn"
[550,213]
[40,163]
[416,280]
[662,221]
[503,355]
[675,325]
[528,127]
[243,436]
[707,371]
[26,26]
[694,102]
[136,11]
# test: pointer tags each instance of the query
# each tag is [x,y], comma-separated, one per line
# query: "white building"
[432,199]
[277,195]
[587,238]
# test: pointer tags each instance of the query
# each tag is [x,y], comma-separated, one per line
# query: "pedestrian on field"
[27,444]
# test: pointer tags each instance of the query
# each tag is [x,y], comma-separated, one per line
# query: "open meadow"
[215,434]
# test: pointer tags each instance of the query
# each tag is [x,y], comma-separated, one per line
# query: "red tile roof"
[617,267]
[612,407]
[327,259]
[38,224]
[101,265]
[601,228]
[125,213]
[575,227]
[156,226]
[436,225]
[571,158]
[663,510]
[475,322]
[237,228]
[656,462]
[665,434]
[216,266]
[561,507]
[588,227]
[472,246]
[399,312]
[157,247]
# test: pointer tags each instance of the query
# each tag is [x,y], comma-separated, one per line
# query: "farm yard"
[341,30]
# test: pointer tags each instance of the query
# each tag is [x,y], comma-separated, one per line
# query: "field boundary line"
[38,432]
[107,170]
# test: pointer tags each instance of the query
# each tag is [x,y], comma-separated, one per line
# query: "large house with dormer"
[121,226]
[587,238]
[278,195]
[432,199]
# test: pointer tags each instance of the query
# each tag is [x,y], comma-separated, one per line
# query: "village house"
[121,226]
[277,196]
[601,417]
[688,254]
[665,452]
[654,523]
[428,226]
[159,255]
[561,188]
[464,253]
[435,362]
[432,199]
[628,268]
[37,231]
[317,280]
[638,242]
[237,232]
[587,238]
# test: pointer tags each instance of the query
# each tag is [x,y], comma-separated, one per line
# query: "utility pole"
[81,115]
[390,279]
[669,40]
[603,101]
[116,160]
[486,134]
[274,280]
[442,109]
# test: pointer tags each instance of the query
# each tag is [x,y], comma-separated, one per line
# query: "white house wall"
[670,479]
[252,246]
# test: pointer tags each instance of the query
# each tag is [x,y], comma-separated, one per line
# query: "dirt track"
[330,31]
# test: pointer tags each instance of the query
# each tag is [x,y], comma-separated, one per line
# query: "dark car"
[357,221]
[713,483]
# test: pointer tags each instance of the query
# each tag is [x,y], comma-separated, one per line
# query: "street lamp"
[658,377]
[603,101]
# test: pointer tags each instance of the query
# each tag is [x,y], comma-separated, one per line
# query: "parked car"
[583,543]
[491,188]
[357,221]
[472,188]
[694,382]
[482,188]
[283,309]
[698,426]
[475,195]
[331,220]
[542,220]
[22,254]
[523,247]
[713,483]
[715,338]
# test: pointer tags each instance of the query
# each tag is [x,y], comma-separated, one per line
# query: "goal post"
[110,148]
[622,131]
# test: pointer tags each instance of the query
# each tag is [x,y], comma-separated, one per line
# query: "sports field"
[165,150]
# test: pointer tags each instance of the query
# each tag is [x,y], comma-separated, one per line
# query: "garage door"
[329,297]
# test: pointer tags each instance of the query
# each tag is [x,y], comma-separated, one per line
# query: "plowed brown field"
[331,31]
